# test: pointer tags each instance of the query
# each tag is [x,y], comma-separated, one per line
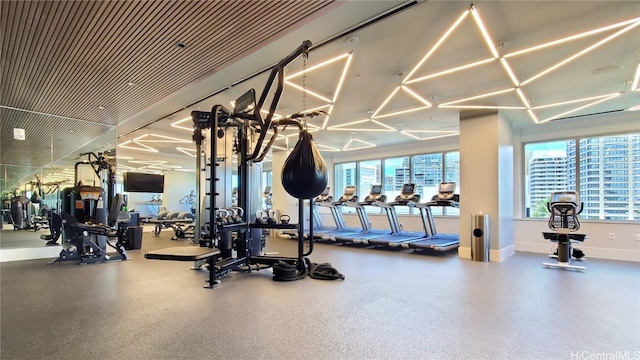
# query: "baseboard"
[464,253]
[502,254]
[494,255]
[19,254]
[590,252]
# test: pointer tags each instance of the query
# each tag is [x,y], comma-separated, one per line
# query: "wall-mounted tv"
[147,183]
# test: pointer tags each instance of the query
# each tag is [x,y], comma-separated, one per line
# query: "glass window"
[452,173]
[396,173]
[267,179]
[549,167]
[370,173]
[427,175]
[614,152]
[345,175]
[606,167]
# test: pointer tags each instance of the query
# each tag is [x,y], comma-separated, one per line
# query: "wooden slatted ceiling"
[69,57]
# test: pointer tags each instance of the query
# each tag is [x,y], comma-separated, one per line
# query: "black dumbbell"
[284,219]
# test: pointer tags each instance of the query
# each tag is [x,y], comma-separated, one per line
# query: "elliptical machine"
[563,221]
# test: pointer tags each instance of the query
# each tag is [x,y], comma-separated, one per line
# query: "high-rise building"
[609,176]
[546,175]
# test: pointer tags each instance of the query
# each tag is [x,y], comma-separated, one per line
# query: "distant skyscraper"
[609,174]
[546,175]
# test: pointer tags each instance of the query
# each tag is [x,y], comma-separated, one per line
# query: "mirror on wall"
[38,153]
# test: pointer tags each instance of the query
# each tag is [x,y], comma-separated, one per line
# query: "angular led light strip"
[580,53]
[439,133]
[572,37]
[188,151]
[327,148]
[177,124]
[141,147]
[451,103]
[449,71]
[601,98]
[319,65]
[345,126]
[437,44]
[309,92]
[636,80]
[365,145]
[331,102]
[163,139]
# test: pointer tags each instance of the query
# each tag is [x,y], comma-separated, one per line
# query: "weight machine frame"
[246,120]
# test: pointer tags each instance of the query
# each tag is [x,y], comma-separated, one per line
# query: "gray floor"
[392,305]
[10,238]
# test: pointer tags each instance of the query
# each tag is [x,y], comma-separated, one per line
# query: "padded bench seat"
[183,253]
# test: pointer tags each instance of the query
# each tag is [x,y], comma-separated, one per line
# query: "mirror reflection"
[36,167]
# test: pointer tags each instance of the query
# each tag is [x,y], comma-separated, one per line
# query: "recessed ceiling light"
[100,107]
[71,131]
[131,83]
[352,40]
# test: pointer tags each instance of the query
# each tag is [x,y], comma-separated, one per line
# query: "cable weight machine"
[304,176]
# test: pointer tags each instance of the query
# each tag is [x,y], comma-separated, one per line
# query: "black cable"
[288,272]
[324,272]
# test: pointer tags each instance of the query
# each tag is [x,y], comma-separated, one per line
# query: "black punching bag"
[304,174]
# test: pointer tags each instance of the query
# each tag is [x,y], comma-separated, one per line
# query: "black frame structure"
[246,121]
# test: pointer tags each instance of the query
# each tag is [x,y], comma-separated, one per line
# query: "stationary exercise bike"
[563,221]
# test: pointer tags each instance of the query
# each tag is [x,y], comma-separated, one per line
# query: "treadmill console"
[324,196]
[408,194]
[375,195]
[349,195]
[446,190]
[446,196]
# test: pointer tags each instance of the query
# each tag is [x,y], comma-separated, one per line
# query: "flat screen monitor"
[376,189]
[408,189]
[140,182]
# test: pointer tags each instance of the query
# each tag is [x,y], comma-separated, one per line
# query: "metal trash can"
[479,237]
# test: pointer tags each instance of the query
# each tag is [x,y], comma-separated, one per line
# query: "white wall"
[526,232]
[177,184]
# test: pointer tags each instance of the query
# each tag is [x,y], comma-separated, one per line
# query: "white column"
[486,178]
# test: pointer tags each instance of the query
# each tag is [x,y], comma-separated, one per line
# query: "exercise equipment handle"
[277,70]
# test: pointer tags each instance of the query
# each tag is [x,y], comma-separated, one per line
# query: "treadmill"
[446,197]
[374,198]
[324,199]
[349,198]
[321,232]
[409,198]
